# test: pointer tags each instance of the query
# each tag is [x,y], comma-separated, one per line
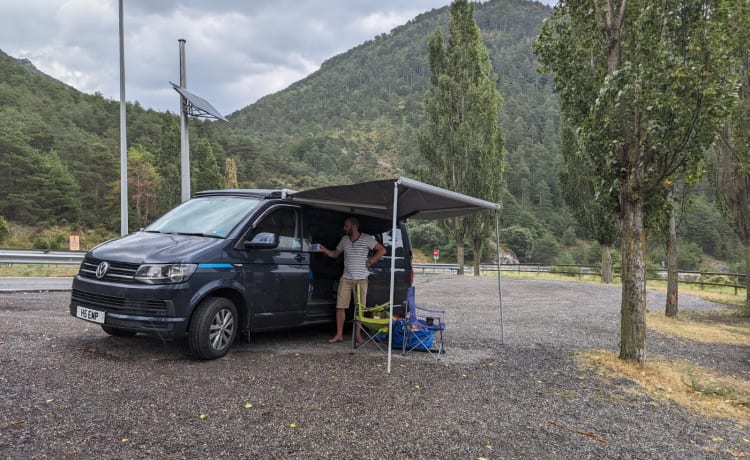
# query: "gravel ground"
[67,390]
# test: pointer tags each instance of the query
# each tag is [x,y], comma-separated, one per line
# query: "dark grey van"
[226,264]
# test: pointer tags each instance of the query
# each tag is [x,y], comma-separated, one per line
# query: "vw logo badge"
[101,270]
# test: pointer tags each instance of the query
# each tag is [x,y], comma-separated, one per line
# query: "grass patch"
[701,390]
[37,270]
[724,326]
[718,294]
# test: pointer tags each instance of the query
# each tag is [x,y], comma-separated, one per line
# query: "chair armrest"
[429,310]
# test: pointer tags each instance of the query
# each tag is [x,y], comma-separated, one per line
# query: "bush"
[689,256]
[565,270]
[565,259]
[519,240]
[569,237]
[546,249]
[4,229]
[51,242]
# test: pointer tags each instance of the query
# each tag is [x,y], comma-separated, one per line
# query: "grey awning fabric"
[416,200]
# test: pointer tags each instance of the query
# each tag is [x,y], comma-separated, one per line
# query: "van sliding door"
[278,278]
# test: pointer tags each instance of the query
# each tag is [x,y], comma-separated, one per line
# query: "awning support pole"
[394,241]
[499,278]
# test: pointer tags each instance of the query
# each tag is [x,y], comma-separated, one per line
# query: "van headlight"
[164,273]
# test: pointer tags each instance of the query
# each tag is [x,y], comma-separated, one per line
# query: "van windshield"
[213,216]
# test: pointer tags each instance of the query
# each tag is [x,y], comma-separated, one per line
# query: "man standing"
[355,246]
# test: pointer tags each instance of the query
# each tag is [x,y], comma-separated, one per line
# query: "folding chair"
[423,328]
[375,322]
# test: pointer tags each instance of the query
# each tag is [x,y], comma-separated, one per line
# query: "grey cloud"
[237,51]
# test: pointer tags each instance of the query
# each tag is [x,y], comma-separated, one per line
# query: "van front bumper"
[150,309]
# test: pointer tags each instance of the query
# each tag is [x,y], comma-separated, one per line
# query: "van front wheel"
[213,328]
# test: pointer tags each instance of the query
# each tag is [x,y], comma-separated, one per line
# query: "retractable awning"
[416,200]
[399,199]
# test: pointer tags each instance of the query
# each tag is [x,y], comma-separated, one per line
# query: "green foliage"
[689,256]
[427,235]
[204,169]
[355,119]
[50,241]
[520,241]
[4,229]
[546,249]
[569,237]
[460,142]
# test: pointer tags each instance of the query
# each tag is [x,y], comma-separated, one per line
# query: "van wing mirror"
[263,240]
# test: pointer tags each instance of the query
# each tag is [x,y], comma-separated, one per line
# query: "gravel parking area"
[67,390]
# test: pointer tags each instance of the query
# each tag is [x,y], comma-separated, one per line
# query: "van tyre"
[213,328]
[113,331]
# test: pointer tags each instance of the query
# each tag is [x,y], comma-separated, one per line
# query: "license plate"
[90,315]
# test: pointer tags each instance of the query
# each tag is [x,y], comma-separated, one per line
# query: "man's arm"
[332,253]
[379,253]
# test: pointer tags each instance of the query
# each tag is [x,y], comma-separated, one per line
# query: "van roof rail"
[254,192]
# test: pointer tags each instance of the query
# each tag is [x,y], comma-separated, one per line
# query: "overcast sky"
[237,51]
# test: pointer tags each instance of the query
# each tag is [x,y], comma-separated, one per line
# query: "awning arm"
[446,193]
[499,277]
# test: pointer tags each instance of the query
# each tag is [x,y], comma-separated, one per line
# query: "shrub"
[546,249]
[569,237]
[519,240]
[4,229]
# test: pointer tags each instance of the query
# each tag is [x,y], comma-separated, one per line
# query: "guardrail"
[24,256]
[735,281]
[731,280]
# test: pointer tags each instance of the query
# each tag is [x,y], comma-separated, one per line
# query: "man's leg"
[343,298]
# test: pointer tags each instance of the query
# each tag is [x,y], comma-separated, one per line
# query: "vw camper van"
[226,264]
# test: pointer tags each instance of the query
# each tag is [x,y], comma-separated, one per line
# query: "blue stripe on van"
[215,266]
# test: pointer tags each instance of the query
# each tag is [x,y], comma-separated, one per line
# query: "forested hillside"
[353,120]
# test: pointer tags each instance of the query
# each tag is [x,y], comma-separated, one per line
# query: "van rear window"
[213,216]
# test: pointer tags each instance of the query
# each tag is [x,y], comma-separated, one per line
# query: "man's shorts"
[346,288]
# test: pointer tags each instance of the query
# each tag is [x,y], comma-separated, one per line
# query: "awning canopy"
[415,200]
[395,200]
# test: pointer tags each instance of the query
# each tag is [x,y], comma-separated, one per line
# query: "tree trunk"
[747,280]
[477,247]
[460,257]
[606,264]
[633,307]
[672,272]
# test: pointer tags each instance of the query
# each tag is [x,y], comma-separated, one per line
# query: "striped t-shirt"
[355,255]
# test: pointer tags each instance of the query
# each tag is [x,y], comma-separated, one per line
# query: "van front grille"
[120,272]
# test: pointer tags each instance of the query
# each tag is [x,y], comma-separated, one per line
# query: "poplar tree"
[205,173]
[730,161]
[461,142]
[658,72]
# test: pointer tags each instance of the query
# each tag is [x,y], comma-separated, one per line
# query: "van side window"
[285,223]
[386,240]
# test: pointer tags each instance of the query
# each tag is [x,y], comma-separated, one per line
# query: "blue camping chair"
[423,328]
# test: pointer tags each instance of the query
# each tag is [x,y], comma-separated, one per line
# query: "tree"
[204,169]
[230,173]
[730,159]
[143,182]
[461,142]
[596,212]
[659,73]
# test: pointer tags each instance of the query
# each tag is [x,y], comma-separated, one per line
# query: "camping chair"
[375,322]
[423,328]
